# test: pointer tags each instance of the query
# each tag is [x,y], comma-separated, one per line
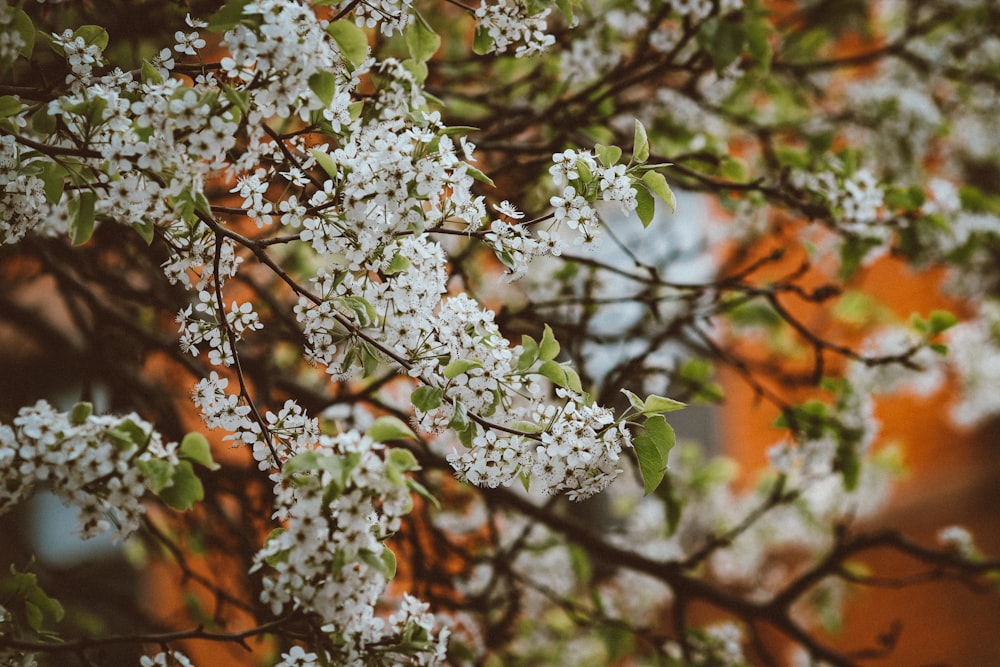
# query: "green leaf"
[185,489]
[195,447]
[421,40]
[635,401]
[398,264]
[478,175]
[853,252]
[93,35]
[422,491]
[662,434]
[240,99]
[43,122]
[645,206]
[351,39]
[561,375]
[656,404]
[23,598]
[529,353]
[228,16]
[416,68]
[302,462]
[758,42]
[640,143]
[549,348]
[459,366]
[725,44]
[652,451]
[566,7]
[149,74]
[403,459]
[158,473]
[940,321]
[652,465]
[482,43]
[656,182]
[324,85]
[388,563]
[426,398]
[608,155]
[134,433]
[146,229]
[21,24]
[387,428]
[326,162]
[54,177]
[10,106]
[848,463]
[80,412]
[82,227]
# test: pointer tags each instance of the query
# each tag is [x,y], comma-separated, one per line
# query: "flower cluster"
[508,24]
[95,463]
[338,500]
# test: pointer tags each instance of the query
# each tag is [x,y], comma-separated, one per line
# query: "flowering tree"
[413,356]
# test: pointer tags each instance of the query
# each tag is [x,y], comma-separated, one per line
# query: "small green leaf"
[302,462]
[940,321]
[146,229]
[21,24]
[388,563]
[185,489]
[482,43]
[195,447]
[426,398]
[10,105]
[351,39]
[326,162]
[459,366]
[566,7]
[758,42]
[403,459]
[656,182]
[149,74]
[645,205]
[240,99]
[640,143]
[80,412]
[387,428]
[662,434]
[54,177]
[725,44]
[529,354]
[417,69]
[324,85]
[608,155]
[652,466]
[635,401]
[656,404]
[158,473]
[478,175]
[398,264]
[848,463]
[549,348]
[134,433]
[82,227]
[93,35]
[422,491]
[561,376]
[421,40]
[22,597]
[228,16]
[43,122]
